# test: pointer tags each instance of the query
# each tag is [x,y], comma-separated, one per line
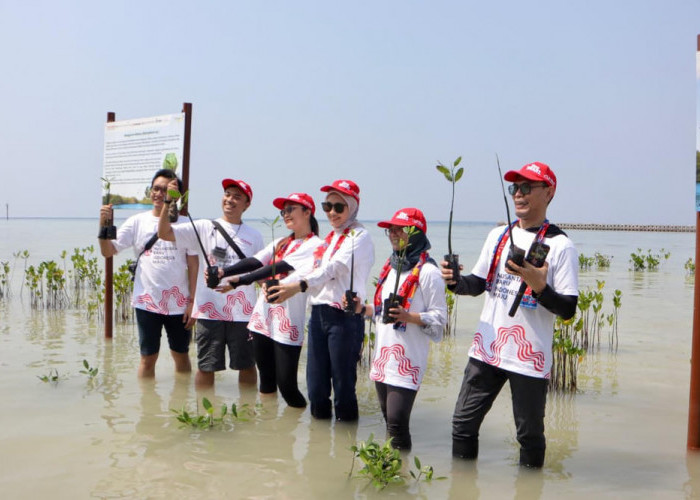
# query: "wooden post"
[187,109]
[109,286]
[694,405]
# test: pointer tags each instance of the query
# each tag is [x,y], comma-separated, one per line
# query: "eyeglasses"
[338,207]
[394,230]
[524,188]
[288,210]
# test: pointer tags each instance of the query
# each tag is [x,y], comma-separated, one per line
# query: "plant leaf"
[207,404]
[457,161]
[459,173]
[174,194]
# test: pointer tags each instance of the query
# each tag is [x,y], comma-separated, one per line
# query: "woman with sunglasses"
[343,261]
[279,325]
[402,341]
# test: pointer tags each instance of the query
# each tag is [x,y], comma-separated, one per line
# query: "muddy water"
[622,436]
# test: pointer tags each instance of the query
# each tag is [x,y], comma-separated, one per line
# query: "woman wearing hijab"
[335,337]
[402,345]
[279,326]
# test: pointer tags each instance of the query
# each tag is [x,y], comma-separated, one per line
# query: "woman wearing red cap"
[280,325]
[402,342]
[335,338]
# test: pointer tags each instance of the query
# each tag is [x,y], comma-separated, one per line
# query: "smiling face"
[233,204]
[296,218]
[531,208]
[159,189]
[398,237]
[337,220]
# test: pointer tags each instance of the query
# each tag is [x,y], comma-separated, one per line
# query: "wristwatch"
[303,285]
[167,201]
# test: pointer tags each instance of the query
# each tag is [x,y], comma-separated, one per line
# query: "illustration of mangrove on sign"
[135,150]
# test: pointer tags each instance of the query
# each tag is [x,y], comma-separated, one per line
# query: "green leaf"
[185,196]
[207,404]
[459,173]
[170,161]
[417,462]
[443,169]
[457,161]
[174,194]
[85,364]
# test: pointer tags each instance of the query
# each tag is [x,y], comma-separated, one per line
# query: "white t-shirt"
[236,305]
[284,323]
[523,343]
[328,282]
[160,284]
[401,357]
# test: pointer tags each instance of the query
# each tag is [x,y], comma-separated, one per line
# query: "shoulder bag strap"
[229,240]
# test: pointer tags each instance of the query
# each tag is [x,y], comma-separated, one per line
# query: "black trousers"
[277,364]
[481,384]
[396,404]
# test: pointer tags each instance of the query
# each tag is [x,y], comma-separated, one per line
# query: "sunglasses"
[524,188]
[288,210]
[338,207]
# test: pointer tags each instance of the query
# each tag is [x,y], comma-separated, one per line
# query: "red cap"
[300,198]
[535,171]
[406,217]
[345,187]
[243,186]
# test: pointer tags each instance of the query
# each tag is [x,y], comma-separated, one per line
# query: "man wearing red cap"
[510,344]
[221,318]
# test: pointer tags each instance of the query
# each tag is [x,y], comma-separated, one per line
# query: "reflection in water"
[562,432]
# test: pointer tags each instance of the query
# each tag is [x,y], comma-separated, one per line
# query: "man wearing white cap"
[514,343]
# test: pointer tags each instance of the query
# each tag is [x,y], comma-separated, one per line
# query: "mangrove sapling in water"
[395,300]
[4,279]
[451,300]
[452,177]
[88,370]
[383,463]
[123,289]
[208,420]
[272,281]
[689,267]
[650,261]
[52,376]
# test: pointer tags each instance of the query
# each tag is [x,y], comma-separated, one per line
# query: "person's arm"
[557,303]
[242,266]
[106,247]
[263,273]
[165,229]
[192,270]
[468,285]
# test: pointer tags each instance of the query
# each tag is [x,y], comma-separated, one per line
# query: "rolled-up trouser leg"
[480,386]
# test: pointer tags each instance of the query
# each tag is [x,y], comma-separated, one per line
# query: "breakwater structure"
[628,227]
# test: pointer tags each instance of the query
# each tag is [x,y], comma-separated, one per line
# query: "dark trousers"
[480,386]
[396,404]
[277,365]
[334,344]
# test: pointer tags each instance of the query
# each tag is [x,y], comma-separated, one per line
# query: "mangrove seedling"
[382,463]
[394,299]
[426,472]
[452,177]
[109,230]
[273,281]
[170,161]
[88,370]
[52,376]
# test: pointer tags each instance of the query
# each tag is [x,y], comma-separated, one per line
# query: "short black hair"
[168,174]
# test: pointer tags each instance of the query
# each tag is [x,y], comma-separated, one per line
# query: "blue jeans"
[334,344]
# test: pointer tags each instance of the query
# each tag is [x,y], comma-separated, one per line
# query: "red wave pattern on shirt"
[237,297]
[525,351]
[162,306]
[405,367]
[256,324]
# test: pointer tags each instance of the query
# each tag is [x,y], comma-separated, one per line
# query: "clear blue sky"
[291,95]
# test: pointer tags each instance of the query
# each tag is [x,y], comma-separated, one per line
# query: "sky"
[289,96]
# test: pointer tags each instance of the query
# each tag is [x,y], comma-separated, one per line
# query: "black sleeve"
[559,304]
[264,272]
[469,285]
[242,266]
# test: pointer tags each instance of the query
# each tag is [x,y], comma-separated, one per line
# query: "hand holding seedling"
[356,300]
[106,215]
[283,291]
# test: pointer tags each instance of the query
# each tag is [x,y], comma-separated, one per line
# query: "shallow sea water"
[623,435]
